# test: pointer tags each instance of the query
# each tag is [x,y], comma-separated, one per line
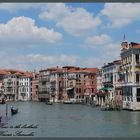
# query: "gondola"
[14,111]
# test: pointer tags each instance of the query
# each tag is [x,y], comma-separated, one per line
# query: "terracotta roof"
[16,72]
[3,72]
[72,69]
[51,69]
[136,46]
[84,70]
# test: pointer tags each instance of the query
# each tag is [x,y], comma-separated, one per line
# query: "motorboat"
[68,102]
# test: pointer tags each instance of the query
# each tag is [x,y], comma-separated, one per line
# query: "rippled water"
[61,120]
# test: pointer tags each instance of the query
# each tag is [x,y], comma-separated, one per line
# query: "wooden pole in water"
[6,109]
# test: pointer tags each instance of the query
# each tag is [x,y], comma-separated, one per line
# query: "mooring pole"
[6,109]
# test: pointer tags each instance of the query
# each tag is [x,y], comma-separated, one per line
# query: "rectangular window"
[137,78]
[137,58]
[79,90]
[43,83]
[138,94]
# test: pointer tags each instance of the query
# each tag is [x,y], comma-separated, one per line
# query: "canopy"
[106,88]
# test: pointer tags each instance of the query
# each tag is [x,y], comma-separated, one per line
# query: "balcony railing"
[137,63]
[44,79]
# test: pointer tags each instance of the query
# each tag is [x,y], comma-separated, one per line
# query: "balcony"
[44,79]
[9,85]
[137,84]
[9,93]
[137,63]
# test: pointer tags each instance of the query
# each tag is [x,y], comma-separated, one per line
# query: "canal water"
[63,120]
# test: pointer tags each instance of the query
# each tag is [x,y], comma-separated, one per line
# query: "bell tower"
[124,45]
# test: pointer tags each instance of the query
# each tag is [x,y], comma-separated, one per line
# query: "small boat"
[68,102]
[14,111]
[49,103]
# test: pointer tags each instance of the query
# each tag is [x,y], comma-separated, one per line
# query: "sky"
[41,35]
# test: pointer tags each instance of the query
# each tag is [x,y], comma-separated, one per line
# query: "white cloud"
[54,11]
[14,7]
[121,14]
[23,30]
[51,60]
[98,40]
[73,20]
[38,61]
[41,61]
[112,51]
[102,53]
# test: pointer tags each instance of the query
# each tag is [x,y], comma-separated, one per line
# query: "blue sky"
[41,35]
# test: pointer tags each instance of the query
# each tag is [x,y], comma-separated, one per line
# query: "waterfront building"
[81,83]
[100,95]
[117,79]
[71,93]
[14,85]
[90,82]
[2,74]
[109,86]
[50,84]
[25,87]
[11,86]
[130,56]
[56,84]
[44,85]
[67,83]
[1,87]
[35,87]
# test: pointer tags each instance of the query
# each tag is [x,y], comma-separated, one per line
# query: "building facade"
[109,89]
[11,87]
[35,87]
[44,85]
[67,83]
[130,56]
[24,88]
[17,85]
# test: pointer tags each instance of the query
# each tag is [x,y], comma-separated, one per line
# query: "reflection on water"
[61,120]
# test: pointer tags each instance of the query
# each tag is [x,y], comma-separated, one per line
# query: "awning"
[106,89]
[69,88]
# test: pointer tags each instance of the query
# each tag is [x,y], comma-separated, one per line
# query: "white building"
[130,56]
[17,85]
[108,84]
[24,88]
[11,86]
